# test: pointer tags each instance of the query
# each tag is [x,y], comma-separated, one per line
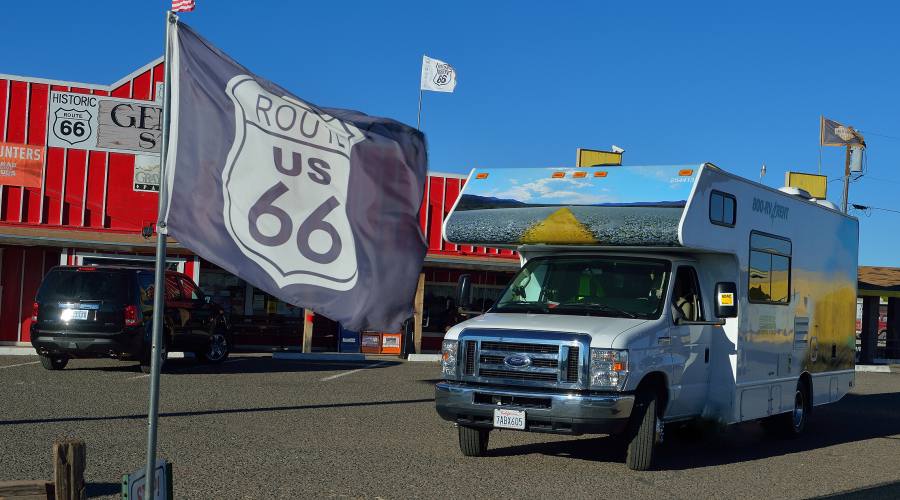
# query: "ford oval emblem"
[517,361]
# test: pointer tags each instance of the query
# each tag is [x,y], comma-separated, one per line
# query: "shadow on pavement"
[241,364]
[94,490]
[885,491]
[225,411]
[857,417]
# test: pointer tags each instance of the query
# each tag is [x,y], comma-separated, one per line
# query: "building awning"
[73,237]
[877,281]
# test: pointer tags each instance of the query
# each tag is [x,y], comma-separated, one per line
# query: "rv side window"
[770,269]
[722,208]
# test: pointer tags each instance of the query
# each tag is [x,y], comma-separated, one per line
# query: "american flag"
[182,5]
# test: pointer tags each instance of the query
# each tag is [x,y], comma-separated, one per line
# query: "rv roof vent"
[827,204]
[794,191]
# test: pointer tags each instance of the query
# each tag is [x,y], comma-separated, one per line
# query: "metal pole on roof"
[846,180]
[159,286]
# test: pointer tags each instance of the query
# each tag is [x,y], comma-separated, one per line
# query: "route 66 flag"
[437,75]
[318,207]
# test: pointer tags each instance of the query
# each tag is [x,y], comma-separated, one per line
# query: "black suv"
[107,312]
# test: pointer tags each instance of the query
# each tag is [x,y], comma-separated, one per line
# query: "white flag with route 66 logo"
[319,207]
[437,75]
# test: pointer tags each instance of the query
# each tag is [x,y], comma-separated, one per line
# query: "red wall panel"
[18,108]
[37,128]
[34,267]
[450,196]
[93,216]
[141,88]
[122,91]
[435,213]
[76,165]
[10,279]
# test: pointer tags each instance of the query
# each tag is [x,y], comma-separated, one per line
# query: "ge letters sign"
[99,123]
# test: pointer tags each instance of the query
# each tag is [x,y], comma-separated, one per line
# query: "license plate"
[509,419]
[68,314]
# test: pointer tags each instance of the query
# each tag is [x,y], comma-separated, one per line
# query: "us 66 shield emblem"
[285,188]
[72,125]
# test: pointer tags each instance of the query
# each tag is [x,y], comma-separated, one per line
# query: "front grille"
[518,375]
[470,358]
[572,365]
[520,347]
[499,360]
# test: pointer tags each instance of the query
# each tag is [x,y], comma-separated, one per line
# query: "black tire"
[792,423]
[54,362]
[217,349]
[473,442]
[164,355]
[643,432]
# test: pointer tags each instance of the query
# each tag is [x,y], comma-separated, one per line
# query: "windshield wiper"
[523,304]
[595,305]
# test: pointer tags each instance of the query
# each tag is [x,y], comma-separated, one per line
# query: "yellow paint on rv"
[561,227]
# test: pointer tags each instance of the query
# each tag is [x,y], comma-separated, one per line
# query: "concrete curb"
[424,357]
[17,351]
[878,368]
[316,356]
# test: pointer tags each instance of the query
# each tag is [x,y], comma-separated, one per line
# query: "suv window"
[73,284]
[173,289]
[189,290]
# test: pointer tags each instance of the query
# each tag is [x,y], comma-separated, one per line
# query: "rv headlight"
[448,358]
[609,368]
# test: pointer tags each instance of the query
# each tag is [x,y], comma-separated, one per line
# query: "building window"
[722,208]
[770,269]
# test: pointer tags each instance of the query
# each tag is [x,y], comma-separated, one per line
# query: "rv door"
[690,331]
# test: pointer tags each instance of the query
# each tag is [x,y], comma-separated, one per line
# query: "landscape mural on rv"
[620,206]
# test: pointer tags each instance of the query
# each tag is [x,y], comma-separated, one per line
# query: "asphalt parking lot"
[262,428]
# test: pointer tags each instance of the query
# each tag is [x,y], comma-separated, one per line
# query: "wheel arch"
[658,382]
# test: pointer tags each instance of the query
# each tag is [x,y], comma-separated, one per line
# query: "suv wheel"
[217,349]
[163,356]
[54,362]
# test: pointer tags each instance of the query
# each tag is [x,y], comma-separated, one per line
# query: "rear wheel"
[473,442]
[54,362]
[217,349]
[163,356]
[645,430]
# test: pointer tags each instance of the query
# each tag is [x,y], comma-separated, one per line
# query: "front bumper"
[555,412]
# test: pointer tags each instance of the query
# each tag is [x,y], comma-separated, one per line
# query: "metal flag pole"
[159,286]
[419,115]
[846,180]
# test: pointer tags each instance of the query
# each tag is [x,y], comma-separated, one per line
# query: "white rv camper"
[649,295]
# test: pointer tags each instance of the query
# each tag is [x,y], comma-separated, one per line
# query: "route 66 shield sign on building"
[318,207]
[72,125]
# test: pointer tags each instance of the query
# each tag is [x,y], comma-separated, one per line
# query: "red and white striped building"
[86,211]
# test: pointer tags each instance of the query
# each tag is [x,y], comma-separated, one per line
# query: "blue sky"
[671,82]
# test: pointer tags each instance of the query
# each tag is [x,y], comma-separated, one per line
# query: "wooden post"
[420,309]
[69,460]
[308,316]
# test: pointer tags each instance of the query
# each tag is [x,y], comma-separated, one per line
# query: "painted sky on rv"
[672,83]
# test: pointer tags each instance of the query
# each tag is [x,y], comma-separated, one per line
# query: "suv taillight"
[131,315]
[35,309]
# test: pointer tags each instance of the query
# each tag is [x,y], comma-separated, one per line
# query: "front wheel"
[54,362]
[473,442]
[217,349]
[645,430]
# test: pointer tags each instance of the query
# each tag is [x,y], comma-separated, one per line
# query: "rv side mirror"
[726,300]
[464,292]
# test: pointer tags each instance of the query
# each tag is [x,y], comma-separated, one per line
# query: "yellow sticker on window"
[726,299]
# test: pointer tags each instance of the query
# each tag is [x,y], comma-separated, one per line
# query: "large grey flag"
[316,206]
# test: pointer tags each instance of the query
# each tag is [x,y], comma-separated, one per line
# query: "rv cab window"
[722,208]
[686,296]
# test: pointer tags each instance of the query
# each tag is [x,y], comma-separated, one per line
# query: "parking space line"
[332,377]
[20,364]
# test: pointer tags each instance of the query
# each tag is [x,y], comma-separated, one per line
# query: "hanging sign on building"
[146,173]
[21,164]
[100,123]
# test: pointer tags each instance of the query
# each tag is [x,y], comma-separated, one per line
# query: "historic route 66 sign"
[443,74]
[72,125]
[285,188]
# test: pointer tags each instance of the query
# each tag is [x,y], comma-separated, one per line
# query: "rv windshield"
[588,286]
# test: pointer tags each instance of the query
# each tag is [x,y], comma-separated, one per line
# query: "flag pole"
[419,115]
[159,286]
